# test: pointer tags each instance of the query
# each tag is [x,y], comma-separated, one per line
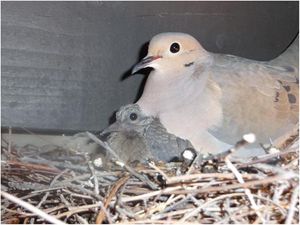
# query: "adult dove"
[213,99]
[137,137]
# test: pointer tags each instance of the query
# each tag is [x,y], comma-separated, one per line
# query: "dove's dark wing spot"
[277,94]
[292,98]
[188,64]
[287,88]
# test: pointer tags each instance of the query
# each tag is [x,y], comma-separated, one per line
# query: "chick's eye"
[133,116]
[175,47]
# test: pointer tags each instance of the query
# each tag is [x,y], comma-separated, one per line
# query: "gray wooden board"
[63,62]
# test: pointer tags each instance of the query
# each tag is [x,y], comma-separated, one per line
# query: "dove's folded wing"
[256,97]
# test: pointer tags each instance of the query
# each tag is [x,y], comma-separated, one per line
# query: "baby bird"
[213,99]
[137,137]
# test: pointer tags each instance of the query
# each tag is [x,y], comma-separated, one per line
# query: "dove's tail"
[290,57]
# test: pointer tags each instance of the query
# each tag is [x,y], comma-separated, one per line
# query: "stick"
[58,176]
[179,190]
[69,206]
[247,190]
[101,215]
[153,166]
[206,204]
[43,200]
[292,206]
[96,182]
[201,176]
[32,208]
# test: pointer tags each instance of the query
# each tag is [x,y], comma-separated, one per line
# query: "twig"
[201,176]
[150,194]
[176,204]
[86,191]
[69,206]
[172,213]
[46,190]
[206,204]
[115,188]
[96,183]
[266,158]
[247,184]
[81,220]
[43,199]
[79,209]
[247,191]
[58,176]
[77,195]
[125,212]
[73,179]
[32,208]
[292,206]
[153,166]
[37,167]
[180,190]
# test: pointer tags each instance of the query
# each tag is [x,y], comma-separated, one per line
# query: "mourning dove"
[137,137]
[213,99]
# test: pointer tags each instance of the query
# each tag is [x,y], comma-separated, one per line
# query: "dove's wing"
[256,97]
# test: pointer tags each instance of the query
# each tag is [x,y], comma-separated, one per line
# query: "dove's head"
[173,52]
[129,118]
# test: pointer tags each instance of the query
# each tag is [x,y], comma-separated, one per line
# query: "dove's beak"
[115,127]
[145,62]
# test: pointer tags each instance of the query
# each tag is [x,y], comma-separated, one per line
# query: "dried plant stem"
[232,186]
[153,166]
[43,199]
[247,191]
[96,182]
[292,206]
[116,187]
[32,208]
[201,176]
[78,209]
[206,204]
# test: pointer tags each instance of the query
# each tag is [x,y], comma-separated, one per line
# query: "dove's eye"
[133,116]
[175,47]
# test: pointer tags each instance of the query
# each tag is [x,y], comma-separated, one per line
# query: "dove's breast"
[187,107]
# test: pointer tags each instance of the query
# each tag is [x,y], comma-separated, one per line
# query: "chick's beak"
[145,62]
[115,127]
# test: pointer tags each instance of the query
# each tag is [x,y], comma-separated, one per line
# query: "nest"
[69,189]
